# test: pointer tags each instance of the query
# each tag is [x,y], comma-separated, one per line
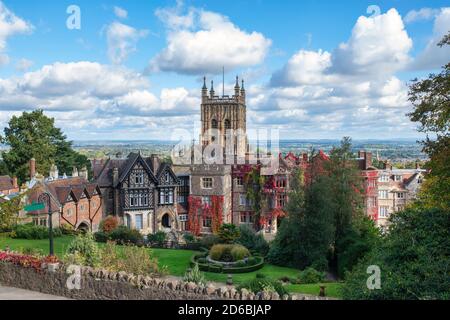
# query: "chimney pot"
[32,168]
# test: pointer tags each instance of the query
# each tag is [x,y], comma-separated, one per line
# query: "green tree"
[34,135]
[228,233]
[346,194]
[414,259]
[431,101]
[9,212]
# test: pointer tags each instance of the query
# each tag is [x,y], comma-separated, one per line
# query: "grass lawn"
[177,261]
[332,289]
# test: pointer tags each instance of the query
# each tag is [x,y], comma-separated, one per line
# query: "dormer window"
[139,178]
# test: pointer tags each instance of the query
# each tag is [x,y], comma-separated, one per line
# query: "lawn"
[178,260]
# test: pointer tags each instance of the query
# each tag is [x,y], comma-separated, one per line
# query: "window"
[242,200]
[206,200]
[243,217]
[214,124]
[281,182]
[383,211]
[398,178]
[400,208]
[138,198]
[166,196]
[383,194]
[69,212]
[400,195]
[371,183]
[82,207]
[207,222]
[139,178]
[239,181]
[207,183]
[183,217]
[227,124]
[35,221]
[181,199]
[281,200]
[383,178]
[167,177]
[139,221]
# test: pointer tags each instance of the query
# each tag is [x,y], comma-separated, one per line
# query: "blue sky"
[313,69]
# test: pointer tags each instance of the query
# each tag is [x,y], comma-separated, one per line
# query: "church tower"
[223,120]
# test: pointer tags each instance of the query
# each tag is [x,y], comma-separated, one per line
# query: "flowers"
[26,260]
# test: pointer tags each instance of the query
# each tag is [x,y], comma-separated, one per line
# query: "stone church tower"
[223,120]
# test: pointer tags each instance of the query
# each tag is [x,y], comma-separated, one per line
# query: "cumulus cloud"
[434,57]
[10,25]
[420,15]
[203,41]
[120,12]
[122,40]
[23,64]
[343,92]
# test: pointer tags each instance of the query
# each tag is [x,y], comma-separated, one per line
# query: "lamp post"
[45,198]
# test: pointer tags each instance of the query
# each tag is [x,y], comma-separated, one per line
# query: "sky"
[133,70]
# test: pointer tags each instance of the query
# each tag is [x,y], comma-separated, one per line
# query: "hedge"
[209,267]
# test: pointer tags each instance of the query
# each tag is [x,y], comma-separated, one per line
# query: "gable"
[166,176]
[135,164]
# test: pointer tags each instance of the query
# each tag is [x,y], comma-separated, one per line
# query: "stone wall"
[99,284]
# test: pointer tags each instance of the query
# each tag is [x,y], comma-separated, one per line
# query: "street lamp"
[46,197]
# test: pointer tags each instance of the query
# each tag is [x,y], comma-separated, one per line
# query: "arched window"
[214,124]
[227,124]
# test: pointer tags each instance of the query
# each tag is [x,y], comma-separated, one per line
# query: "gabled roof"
[162,168]
[6,183]
[131,161]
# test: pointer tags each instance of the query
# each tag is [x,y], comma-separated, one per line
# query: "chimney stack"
[14,182]
[32,168]
[54,174]
[155,163]
[115,177]
[84,173]
[367,160]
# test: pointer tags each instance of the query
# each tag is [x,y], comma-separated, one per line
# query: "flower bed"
[242,266]
[26,261]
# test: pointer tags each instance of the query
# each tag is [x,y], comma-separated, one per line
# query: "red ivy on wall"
[199,211]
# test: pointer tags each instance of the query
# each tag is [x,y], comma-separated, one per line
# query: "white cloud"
[433,57]
[421,14]
[88,97]
[23,64]
[10,25]
[122,40]
[378,44]
[120,12]
[204,41]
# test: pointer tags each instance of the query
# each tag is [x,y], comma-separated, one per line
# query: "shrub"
[228,252]
[311,275]
[139,261]
[67,229]
[35,252]
[83,250]
[261,284]
[109,224]
[239,252]
[194,275]
[101,236]
[57,232]
[124,235]
[228,233]
[157,239]
[189,237]
[32,232]
[253,241]
[209,240]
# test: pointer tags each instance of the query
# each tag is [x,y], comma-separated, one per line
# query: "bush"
[67,229]
[261,284]
[228,233]
[228,252]
[139,261]
[124,235]
[83,250]
[239,252]
[311,275]
[194,275]
[253,241]
[189,237]
[32,232]
[209,240]
[101,236]
[157,239]
[109,224]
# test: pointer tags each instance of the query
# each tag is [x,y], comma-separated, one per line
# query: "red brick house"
[74,202]
[8,185]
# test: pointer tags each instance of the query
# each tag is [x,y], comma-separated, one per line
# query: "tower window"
[214,124]
[227,124]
